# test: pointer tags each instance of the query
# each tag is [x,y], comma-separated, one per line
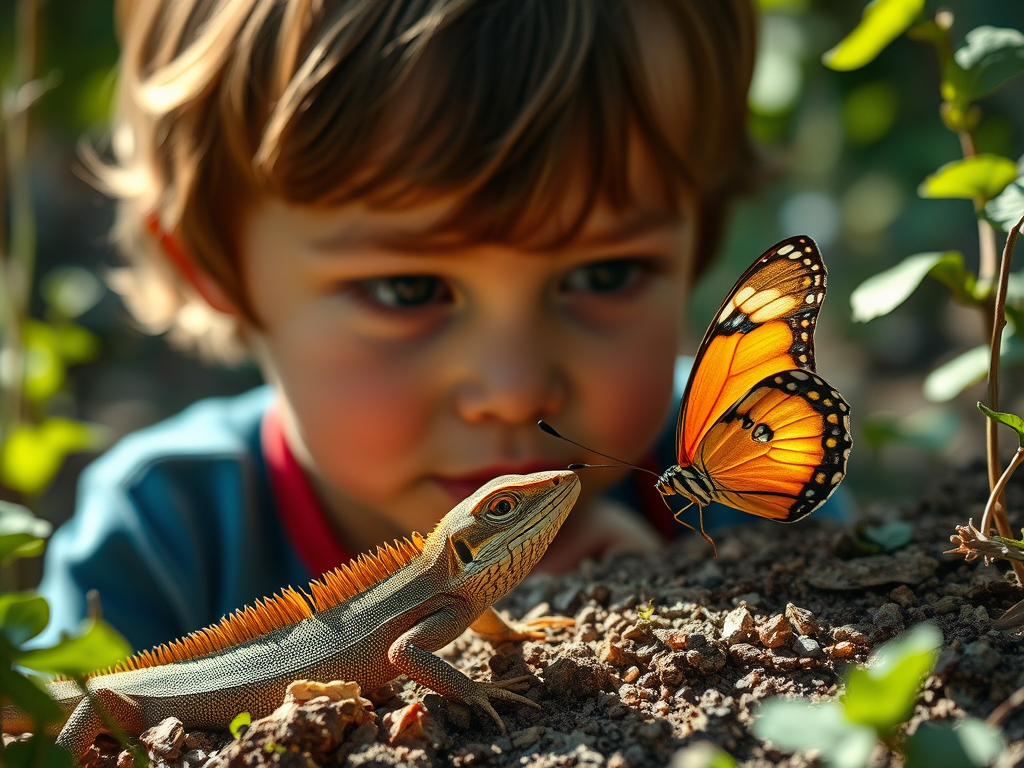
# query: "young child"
[432,224]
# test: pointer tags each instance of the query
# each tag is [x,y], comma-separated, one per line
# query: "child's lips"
[458,487]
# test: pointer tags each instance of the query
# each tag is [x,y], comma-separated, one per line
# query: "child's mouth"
[459,487]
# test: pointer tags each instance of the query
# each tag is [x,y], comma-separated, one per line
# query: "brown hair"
[221,100]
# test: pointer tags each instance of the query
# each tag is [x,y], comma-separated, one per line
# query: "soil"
[784,610]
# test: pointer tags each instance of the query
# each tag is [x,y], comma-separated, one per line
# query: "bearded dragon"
[370,621]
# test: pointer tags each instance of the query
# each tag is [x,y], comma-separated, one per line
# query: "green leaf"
[930,428]
[239,723]
[869,111]
[1016,423]
[32,700]
[989,57]
[796,725]
[44,367]
[880,294]
[983,176]
[703,754]
[1006,208]
[23,615]
[97,646]
[32,455]
[882,694]
[38,752]
[76,344]
[968,743]
[21,533]
[883,21]
[889,537]
[71,291]
[953,377]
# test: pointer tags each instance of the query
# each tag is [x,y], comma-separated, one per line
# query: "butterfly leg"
[700,510]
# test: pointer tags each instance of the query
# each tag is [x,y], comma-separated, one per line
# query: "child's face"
[412,376]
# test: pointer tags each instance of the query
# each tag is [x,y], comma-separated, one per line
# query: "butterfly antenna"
[554,433]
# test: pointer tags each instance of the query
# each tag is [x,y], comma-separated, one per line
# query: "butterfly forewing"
[781,449]
[765,325]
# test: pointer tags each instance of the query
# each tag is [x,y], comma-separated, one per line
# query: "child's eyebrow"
[432,239]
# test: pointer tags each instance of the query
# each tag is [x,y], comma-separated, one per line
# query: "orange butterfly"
[758,429]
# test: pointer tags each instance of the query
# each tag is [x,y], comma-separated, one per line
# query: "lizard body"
[368,622]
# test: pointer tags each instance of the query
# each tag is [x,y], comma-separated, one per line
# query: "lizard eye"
[501,505]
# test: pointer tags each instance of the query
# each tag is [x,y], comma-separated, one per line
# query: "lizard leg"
[85,722]
[408,655]
[495,629]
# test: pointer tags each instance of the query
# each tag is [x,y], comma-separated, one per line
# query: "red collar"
[304,520]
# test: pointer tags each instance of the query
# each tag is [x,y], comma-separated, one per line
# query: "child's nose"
[512,380]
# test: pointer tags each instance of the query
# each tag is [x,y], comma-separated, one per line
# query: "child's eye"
[405,291]
[603,276]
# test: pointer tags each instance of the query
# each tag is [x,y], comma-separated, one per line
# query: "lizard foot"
[532,629]
[482,693]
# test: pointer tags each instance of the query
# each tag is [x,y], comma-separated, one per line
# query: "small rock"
[413,725]
[775,632]
[527,737]
[808,648]
[888,620]
[783,659]
[850,633]
[630,674]
[904,596]
[746,654]
[675,640]
[946,604]
[751,599]
[125,760]
[738,626]
[980,657]
[802,620]
[844,649]
[750,680]
[616,655]
[165,739]
[705,654]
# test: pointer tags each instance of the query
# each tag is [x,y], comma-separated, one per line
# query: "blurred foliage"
[23,615]
[878,698]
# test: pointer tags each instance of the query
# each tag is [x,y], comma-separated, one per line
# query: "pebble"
[630,674]
[946,604]
[527,737]
[738,626]
[746,654]
[808,647]
[904,596]
[802,620]
[888,620]
[849,633]
[775,631]
[844,649]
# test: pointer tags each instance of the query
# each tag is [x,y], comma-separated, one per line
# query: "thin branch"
[996,508]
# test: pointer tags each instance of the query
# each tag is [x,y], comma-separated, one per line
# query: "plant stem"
[990,507]
[19,259]
[996,500]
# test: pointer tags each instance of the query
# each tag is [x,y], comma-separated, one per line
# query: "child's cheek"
[629,398]
[363,413]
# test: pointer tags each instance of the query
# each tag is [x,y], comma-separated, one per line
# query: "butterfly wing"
[765,325]
[779,451]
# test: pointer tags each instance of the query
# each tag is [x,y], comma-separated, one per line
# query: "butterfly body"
[758,429]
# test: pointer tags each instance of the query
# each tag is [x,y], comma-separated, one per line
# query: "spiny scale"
[281,610]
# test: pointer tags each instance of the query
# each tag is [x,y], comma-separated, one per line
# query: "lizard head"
[498,534]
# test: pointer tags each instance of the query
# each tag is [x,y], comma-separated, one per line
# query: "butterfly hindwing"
[780,450]
[764,326]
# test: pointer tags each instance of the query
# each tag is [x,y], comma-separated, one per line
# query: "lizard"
[369,621]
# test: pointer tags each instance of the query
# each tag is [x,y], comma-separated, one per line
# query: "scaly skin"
[477,553]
